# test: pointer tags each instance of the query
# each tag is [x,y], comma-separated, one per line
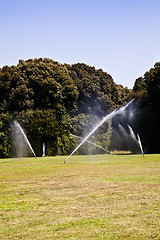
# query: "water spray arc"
[107,118]
[96,145]
[43,150]
[25,137]
[138,137]
[132,133]
[85,139]
[140,144]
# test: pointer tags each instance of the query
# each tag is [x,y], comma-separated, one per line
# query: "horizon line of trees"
[51,100]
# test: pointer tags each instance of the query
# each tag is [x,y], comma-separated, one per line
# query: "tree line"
[52,100]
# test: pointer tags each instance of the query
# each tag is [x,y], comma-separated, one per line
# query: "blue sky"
[122,37]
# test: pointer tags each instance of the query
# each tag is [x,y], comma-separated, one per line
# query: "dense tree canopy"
[97,91]
[37,84]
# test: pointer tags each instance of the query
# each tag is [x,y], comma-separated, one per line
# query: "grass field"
[90,197]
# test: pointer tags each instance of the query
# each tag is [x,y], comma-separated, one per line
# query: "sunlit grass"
[89,197]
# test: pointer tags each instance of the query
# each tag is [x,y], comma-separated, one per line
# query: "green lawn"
[90,197]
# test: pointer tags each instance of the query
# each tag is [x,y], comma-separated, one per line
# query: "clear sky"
[122,37]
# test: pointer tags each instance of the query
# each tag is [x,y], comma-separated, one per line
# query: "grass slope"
[90,197]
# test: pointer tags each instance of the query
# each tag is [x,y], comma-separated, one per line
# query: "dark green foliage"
[147,109]
[97,91]
[5,141]
[152,79]
[37,84]
[123,95]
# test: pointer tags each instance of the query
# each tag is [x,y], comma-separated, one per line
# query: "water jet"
[20,131]
[138,140]
[43,150]
[140,144]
